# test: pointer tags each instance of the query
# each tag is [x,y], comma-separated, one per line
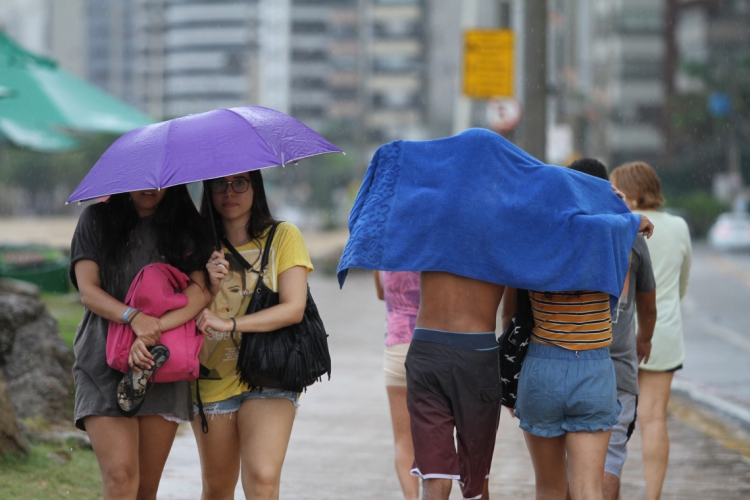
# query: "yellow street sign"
[488,63]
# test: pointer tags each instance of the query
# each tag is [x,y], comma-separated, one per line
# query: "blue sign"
[719,104]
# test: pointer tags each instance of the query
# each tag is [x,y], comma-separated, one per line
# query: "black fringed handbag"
[290,358]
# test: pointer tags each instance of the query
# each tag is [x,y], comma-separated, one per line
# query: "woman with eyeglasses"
[248,428]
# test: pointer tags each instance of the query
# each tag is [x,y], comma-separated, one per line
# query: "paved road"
[341,446]
[716,314]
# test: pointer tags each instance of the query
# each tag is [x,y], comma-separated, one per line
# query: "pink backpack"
[155,290]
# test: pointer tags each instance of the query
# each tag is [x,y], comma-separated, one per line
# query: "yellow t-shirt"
[287,250]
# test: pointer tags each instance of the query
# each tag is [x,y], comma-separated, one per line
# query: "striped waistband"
[479,341]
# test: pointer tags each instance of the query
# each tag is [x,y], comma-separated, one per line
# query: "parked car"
[731,231]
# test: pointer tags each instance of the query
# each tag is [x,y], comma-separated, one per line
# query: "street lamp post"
[533,136]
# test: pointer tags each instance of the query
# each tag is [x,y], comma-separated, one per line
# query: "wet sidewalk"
[341,446]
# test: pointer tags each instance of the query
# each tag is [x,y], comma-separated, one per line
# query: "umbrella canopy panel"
[39,101]
[198,147]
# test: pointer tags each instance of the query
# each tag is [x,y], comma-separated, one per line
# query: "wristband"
[133,315]
[125,314]
[234,325]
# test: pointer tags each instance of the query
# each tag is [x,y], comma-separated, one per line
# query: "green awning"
[39,102]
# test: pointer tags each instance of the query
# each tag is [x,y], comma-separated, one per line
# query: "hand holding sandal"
[135,384]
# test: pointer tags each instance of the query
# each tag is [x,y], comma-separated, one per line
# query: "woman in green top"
[670,257]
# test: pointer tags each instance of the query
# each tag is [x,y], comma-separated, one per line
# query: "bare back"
[457,304]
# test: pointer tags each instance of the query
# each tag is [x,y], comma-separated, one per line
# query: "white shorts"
[393,365]
[617,450]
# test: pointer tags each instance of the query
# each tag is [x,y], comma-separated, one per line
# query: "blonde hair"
[640,184]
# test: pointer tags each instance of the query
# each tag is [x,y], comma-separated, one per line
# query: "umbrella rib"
[164,155]
[257,133]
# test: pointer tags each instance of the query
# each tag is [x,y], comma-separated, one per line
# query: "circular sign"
[503,115]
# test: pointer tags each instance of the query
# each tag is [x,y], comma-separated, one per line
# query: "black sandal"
[134,385]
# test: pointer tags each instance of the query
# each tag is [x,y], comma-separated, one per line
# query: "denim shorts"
[232,404]
[561,391]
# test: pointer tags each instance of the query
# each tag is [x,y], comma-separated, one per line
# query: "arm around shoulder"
[198,295]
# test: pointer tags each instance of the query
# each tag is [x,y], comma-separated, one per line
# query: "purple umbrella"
[199,147]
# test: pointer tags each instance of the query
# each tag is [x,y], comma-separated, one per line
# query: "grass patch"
[37,476]
[67,310]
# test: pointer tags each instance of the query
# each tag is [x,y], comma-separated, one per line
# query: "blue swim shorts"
[561,391]
[232,404]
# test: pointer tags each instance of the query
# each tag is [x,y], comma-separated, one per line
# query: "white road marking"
[725,333]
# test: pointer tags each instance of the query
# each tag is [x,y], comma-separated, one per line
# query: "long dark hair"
[260,214]
[180,234]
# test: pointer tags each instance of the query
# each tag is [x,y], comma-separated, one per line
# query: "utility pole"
[462,104]
[533,136]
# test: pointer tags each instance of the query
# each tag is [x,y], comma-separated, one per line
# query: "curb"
[704,419]
[702,394]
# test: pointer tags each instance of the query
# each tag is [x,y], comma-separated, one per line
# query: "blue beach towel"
[477,206]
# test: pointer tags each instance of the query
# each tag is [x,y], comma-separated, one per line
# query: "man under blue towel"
[474,214]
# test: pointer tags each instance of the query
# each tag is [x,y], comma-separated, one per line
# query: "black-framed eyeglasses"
[220,185]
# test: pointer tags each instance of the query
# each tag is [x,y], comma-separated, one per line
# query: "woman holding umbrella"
[193,148]
[250,427]
[113,241]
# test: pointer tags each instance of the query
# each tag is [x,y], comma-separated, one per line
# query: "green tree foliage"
[316,183]
[698,208]
[701,140]
[46,173]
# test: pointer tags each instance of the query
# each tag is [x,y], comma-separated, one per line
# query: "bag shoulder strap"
[237,255]
[524,313]
[266,251]
[243,262]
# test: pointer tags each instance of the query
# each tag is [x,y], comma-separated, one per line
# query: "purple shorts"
[453,388]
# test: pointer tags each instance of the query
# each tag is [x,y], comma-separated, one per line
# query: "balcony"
[405,47]
[385,83]
[206,37]
[181,85]
[392,118]
[309,98]
[209,12]
[208,61]
[404,12]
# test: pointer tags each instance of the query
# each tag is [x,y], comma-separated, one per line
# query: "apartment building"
[194,56]
[396,73]
[353,68]
[109,47]
[325,55]
[627,52]
[298,56]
